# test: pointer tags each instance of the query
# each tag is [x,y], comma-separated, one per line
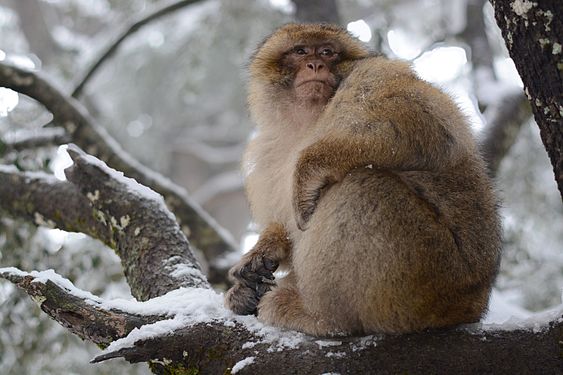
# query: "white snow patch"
[131,184]
[364,342]
[242,364]
[521,7]
[249,345]
[327,343]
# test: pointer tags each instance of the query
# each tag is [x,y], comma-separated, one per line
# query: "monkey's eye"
[300,51]
[327,52]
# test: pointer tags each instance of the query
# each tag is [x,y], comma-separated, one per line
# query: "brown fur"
[375,200]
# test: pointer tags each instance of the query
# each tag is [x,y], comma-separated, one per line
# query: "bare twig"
[203,232]
[159,10]
[83,316]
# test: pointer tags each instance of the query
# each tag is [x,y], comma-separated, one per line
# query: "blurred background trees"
[173,95]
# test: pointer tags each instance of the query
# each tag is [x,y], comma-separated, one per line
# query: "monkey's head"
[301,66]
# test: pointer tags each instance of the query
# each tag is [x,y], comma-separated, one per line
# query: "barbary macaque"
[369,191]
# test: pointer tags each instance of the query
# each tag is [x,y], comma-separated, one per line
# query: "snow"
[131,184]
[521,7]
[242,364]
[327,343]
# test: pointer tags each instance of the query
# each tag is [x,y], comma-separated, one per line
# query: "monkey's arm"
[387,146]
[253,274]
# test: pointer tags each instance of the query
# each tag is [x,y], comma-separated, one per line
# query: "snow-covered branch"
[155,253]
[204,233]
[101,202]
[254,349]
[82,313]
[44,200]
[189,328]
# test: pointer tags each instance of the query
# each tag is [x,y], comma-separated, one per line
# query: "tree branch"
[46,201]
[204,233]
[82,315]
[155,254]
[214,348]
[134,25]
[128,217]
[504,120]
[24,139]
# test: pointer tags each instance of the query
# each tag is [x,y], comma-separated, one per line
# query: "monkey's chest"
[269,189]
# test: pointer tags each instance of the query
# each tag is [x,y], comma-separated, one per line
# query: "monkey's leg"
[283,307]
[253,275]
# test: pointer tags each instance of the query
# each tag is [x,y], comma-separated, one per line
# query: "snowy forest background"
[173,96]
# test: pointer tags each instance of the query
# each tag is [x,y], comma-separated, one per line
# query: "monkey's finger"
[266,280]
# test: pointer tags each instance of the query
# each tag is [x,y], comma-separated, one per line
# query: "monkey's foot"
[242,300]
[253,276]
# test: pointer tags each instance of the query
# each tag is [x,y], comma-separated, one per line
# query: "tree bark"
[532,32]
[81,316]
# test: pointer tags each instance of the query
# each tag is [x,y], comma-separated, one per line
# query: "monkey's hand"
[253,276]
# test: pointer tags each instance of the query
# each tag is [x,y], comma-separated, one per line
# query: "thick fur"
[377,203]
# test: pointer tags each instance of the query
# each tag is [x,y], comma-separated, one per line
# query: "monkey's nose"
[315,66]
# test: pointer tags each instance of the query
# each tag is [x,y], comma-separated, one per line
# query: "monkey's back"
[407,248]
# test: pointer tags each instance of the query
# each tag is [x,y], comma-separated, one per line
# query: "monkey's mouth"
[312,81]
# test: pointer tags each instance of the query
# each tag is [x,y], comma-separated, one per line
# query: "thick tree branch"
[44,200]
[155,254]
[159,10]
[532,32]
[204,233]
[214,348]
[83,316]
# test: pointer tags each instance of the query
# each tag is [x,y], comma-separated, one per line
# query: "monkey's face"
[312,71]
[302,64]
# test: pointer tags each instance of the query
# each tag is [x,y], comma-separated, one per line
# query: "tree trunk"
[532,32]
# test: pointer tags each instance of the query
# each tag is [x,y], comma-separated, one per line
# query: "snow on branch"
[80,312]
[44,200]
[220,346]
[101,202]
[204,233]
[157,11]
[155,253]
